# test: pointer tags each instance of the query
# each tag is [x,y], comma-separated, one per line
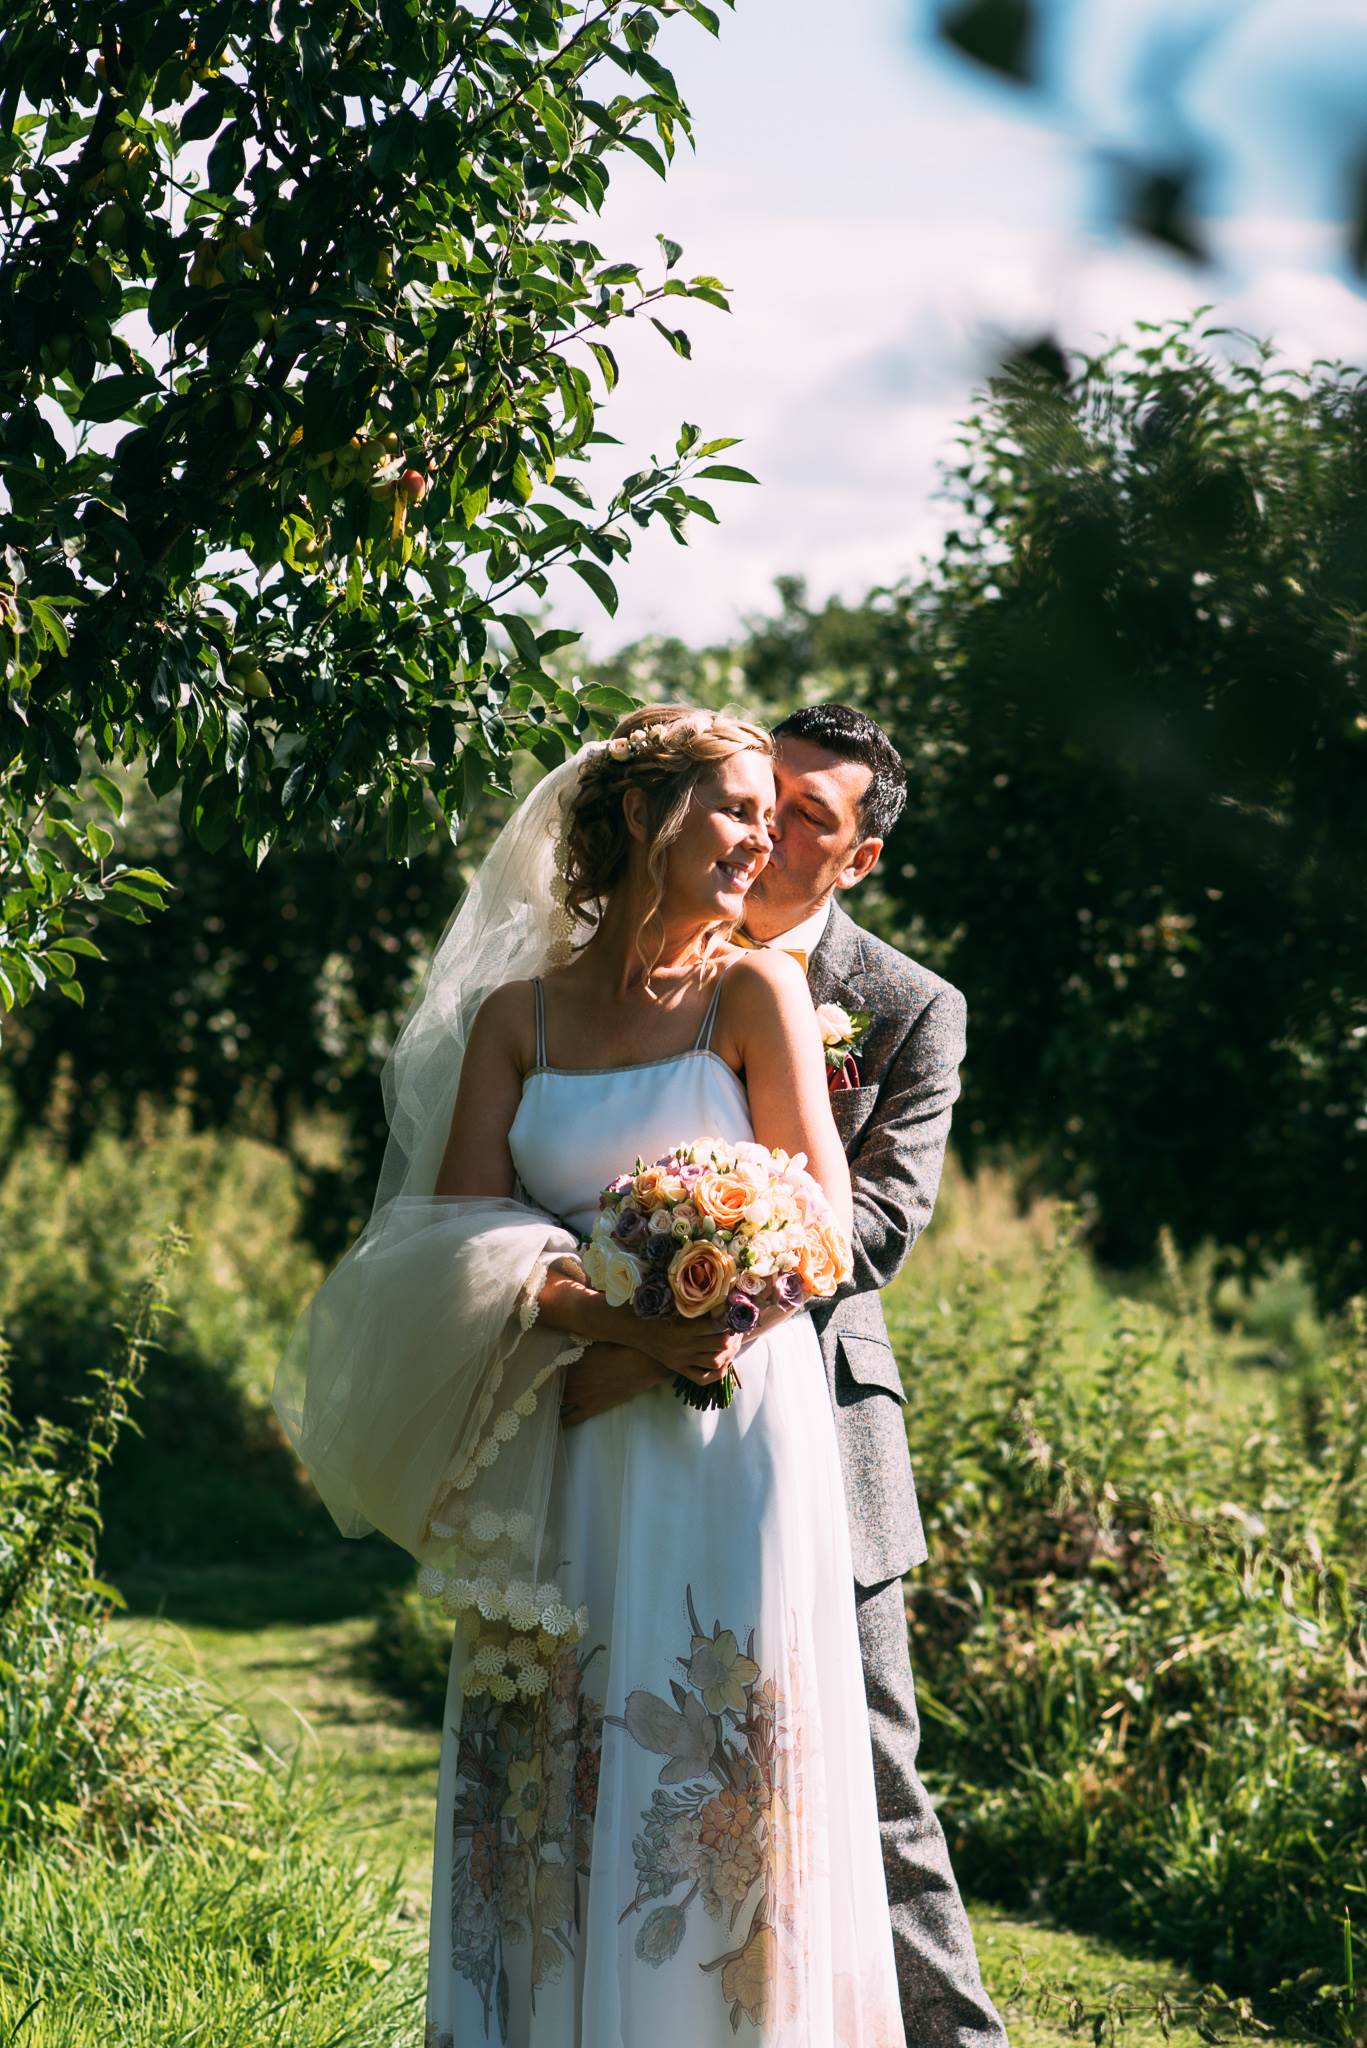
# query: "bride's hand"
[702,1352]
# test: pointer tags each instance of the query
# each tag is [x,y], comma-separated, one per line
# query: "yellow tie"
[743,938]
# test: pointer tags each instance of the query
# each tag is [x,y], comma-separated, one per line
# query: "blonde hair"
[664,750]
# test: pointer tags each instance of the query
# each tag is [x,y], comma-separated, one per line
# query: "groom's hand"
[604,1377]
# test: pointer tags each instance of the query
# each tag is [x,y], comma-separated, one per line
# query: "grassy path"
[304,1680]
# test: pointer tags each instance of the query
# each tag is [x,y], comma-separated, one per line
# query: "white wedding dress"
[676,1844]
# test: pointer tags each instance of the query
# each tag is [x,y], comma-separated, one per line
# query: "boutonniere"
[842,1034]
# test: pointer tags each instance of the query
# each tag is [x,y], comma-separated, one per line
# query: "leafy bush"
[1142,1632]
[207,1472]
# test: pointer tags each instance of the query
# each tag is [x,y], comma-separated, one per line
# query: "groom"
[840,788]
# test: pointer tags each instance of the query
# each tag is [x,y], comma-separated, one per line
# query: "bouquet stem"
[718,1395]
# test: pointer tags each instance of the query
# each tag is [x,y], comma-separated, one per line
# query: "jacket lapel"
[836,967]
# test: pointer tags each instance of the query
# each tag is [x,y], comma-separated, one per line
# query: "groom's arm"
[895,1170]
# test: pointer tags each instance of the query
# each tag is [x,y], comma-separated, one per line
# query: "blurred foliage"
[1171,157]
[1132,702]
[301,350]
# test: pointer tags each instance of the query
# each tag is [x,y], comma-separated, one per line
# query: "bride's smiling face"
[724,841]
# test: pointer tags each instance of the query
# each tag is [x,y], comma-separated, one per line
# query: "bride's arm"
[771,1021]
[477,1160]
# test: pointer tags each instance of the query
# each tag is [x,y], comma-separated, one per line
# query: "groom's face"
[819,844]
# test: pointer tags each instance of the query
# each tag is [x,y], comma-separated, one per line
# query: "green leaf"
[675,336]
[648,154]
[202,117]
[109,794]
[522,637]
[114,397]
[73,992]
[724,473]
[606,698]
[49,618]
[600,583]
[672,251]
[607,363]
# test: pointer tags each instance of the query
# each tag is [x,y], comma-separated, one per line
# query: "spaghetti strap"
[539,1002]
[703,1041]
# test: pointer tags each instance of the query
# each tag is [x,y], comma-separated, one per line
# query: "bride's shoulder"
[506,1014]
[763,984]
[764,967]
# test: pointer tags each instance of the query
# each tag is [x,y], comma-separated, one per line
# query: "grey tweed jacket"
[894,1127]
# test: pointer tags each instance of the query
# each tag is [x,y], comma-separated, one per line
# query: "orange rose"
[823,1259]
[701,1276]
[654,1187]
[724,1197]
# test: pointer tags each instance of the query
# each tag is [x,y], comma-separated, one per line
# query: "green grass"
[307,1683]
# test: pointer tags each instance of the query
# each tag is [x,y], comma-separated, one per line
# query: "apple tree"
[302,349]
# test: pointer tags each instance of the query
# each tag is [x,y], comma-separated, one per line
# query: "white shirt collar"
[807,936]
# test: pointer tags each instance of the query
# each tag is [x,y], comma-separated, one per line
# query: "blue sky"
[885,216]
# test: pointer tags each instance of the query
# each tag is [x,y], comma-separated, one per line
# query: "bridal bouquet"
[715,1229]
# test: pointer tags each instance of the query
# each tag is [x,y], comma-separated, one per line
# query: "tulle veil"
[419,1359]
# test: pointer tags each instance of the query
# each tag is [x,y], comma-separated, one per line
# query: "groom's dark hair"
[854,736]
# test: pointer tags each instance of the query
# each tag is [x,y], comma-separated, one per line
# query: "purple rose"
[789,1291]
[659,1247]
[631,1227]
[623,1185]
[654,1297]
[742,1313]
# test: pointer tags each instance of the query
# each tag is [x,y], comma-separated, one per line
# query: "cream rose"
[834,1023]
[700,1277]
[614,1272]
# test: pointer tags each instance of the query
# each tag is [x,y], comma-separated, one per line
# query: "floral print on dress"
[725,1826]
[523,1825]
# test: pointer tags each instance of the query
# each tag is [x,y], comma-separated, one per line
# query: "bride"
[656,1824]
